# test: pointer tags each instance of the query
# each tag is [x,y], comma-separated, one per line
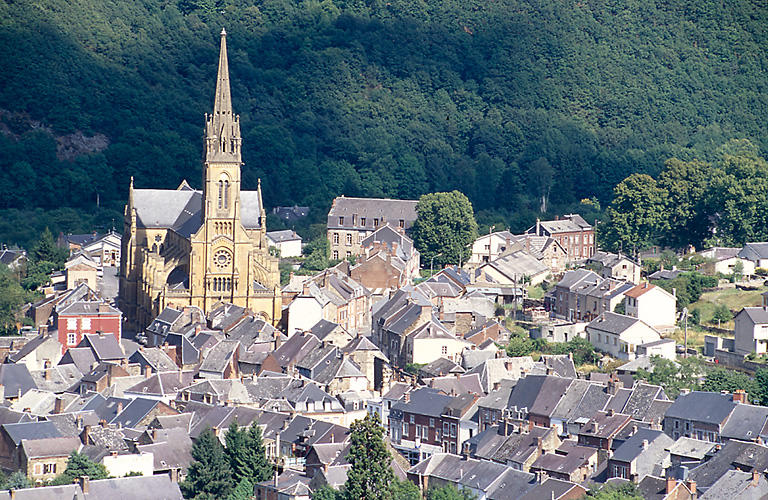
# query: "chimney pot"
[671,484]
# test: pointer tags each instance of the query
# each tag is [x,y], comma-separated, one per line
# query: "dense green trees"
[246,454]
[719,202]
[520,106]
[445,228]
[210,475]
[231,472]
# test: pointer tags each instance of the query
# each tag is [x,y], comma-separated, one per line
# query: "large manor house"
[186,247]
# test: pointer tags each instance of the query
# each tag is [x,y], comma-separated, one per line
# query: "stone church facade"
[186,247]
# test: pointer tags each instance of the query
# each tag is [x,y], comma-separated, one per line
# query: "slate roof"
[181,210]
[561,364]
[105,347]
[578,277]
[154,357]
[691,448]
[388,235]
[384,209]
[552,489]
[440,367]
[665,274]
[217,359]
[754,251]
[16,379]
[612,322]
[733,454]
[136,410]
[82,357]
[737,485]
[424,401]
[648,460]
[745,423]
[758,315]
[284,235]
[708,407]
[31,430]
[89,308]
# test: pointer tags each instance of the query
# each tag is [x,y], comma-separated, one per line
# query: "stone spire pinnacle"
[222,129]
[223,103]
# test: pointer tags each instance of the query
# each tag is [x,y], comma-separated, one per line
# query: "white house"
[620,335]
[751,329]
[653,305]
[488,247]
[757,253]
[304,312]
[287,241]
[431,341]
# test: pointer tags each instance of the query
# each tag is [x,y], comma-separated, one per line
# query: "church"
[186,247]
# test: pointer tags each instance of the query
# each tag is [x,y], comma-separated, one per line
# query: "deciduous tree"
[445,228]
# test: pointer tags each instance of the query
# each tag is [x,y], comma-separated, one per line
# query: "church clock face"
[222,259]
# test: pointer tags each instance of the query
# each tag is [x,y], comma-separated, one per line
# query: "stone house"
[573,233]
[351,220]
[44,459]
[618,266]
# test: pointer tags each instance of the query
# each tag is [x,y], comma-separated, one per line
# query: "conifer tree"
[243,490]
[246,454]
[209,475]
[370,476]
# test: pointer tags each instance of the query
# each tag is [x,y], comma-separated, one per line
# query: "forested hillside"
[522,105]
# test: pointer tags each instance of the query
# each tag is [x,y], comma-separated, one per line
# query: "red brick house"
[81,318]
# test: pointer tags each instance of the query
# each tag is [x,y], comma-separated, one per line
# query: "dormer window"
[341,221]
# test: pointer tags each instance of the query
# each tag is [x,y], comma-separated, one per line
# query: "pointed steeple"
[223,103]
[222,128]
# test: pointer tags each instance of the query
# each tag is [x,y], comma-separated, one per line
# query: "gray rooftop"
[383,209]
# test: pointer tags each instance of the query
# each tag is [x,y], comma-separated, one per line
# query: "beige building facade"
[187,247]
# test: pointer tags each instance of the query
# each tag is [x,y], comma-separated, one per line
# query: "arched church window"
[221,193]
[226,194]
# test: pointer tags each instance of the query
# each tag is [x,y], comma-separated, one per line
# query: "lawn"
[733,298]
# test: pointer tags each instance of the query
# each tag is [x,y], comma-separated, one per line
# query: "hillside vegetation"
[522,105]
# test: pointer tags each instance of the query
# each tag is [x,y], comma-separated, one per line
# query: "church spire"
[222,128]
[223,102]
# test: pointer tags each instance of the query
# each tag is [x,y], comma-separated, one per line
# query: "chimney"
[103,422]
[755,477]
[671,483]
[692,485]
[538,226]
[174,475]
[119,407]
[147,371]
[610,412]
[79,421]
[58,406]
[85,436]
[407,397]
[539,444]
[83,481]
[634,429]
[645,444]
[739,396]
[47,372]
[594,427]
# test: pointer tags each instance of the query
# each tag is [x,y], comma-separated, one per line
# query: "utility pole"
[685,332]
